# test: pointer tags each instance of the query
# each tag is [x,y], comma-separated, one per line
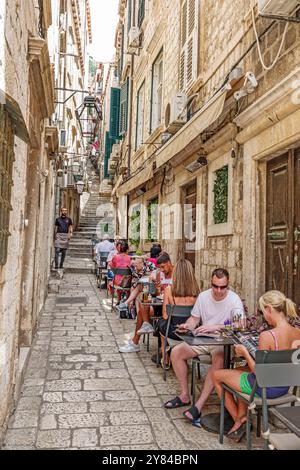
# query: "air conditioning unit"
[176,113]
[278,7]
[134,37]
[116,152]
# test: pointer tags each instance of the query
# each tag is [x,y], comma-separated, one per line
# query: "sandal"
[238,435]
[175,403]
[196,414]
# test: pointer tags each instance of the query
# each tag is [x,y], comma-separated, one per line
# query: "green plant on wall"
[153,220]
[220,207]
[135,228]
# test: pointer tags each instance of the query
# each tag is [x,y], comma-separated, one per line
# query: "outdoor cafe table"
[289,416]
[211,421]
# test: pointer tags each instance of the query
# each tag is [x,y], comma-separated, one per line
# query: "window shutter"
[140,116]
[108,148]
[129,15]
[124,107]
[141,12]
[114,113]
[189,43]
[6,181]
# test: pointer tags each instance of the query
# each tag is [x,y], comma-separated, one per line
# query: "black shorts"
[162,326]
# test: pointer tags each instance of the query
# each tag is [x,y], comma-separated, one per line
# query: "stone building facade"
[27,185]
[69,37]
[232,167]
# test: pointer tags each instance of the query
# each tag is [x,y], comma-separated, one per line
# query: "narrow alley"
[149,227]
[79,392]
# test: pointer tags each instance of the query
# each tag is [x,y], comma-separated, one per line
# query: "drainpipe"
[130,114]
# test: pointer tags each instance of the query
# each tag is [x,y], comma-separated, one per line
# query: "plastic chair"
[120,272]
[272,369]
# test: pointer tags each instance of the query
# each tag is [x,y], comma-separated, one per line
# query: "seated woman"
[154,253]
[183,291]
[277,310]
[121,261]
[139,268]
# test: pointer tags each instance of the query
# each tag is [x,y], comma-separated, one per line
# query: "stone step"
[83,235]
[87,228]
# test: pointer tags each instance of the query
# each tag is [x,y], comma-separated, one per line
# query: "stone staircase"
[79,254]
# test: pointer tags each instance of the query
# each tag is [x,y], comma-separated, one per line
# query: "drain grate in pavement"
[71,300]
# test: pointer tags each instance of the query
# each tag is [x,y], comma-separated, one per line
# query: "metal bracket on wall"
[71,96]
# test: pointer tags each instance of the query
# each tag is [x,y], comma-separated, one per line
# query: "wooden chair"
[272,369]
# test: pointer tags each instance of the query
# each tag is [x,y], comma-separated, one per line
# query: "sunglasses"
[219,287]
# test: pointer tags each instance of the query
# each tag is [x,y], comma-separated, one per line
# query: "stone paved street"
[81,393]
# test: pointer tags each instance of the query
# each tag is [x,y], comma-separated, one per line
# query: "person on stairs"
[63,233]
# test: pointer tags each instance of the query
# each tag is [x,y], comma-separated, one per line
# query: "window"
[135,225]
[129,14]
[6,182]
[114,125]
[140,111]
[220,207]
[153,220]
[124,107]
[220,195]
[141,12]
[189,43]
[157,88]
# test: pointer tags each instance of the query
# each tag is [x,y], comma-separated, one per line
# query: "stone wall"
[21,22]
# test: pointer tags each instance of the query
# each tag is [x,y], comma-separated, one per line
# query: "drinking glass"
[238,319]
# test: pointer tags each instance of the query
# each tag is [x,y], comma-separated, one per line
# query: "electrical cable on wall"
[268,67]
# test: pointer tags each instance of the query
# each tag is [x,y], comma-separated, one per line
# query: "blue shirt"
[63,224]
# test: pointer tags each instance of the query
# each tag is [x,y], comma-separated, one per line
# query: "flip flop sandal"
[196,421]
[175,403]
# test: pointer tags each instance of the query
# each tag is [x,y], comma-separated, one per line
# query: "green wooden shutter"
[141,12]
[114,125]
[124,107]
[129,10]
[108,148]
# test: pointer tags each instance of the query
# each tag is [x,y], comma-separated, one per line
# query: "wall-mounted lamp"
[80,187]
[197,164]
[140,191]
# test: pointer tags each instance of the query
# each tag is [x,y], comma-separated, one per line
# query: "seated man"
[212,308]
[162,278]
[105,246]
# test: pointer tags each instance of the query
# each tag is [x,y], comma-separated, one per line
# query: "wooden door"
[189,222]
[283,225]
[296,233]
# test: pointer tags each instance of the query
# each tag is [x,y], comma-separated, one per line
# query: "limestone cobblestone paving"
[79,392]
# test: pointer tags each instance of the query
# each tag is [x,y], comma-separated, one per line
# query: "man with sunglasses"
[212,308]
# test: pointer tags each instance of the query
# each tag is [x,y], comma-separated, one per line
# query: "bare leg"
[179,357]
[237,410]
[143,315]
[208,387]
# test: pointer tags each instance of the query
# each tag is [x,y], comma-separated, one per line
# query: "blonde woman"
[183,291]
[277,310]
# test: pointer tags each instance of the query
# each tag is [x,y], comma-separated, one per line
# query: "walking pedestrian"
[63,232]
